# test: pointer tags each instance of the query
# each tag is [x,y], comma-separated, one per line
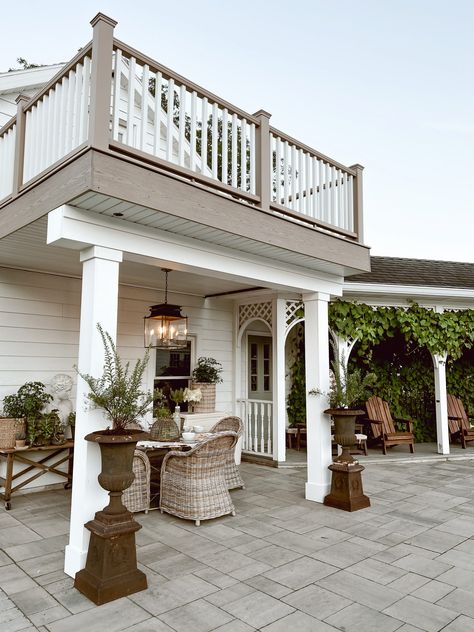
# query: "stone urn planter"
[111,567]
[346,482]
[344,430]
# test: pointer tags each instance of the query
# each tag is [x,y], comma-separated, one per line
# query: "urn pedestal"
[346,481]
[111,566]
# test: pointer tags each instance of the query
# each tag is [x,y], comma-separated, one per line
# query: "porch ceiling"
[109,206]
[27,249]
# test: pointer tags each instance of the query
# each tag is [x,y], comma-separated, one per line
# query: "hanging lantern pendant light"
[165,326]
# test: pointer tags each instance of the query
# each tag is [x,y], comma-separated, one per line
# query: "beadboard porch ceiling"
[26,249]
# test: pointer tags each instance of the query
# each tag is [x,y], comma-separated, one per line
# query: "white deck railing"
[114,98]
[57,121]
[7,159]
[256,415]
[160,113]
[311,184]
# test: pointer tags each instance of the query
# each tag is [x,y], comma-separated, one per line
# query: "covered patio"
[282,563]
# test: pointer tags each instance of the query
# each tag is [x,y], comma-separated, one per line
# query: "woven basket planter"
[164,429]
[9,426]
[208,401]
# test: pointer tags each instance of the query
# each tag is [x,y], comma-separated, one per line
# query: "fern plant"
[119,390]
[347,389]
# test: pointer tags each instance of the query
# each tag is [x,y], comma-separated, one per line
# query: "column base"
[346,487]
[111,567]
[74,560]
[316,491]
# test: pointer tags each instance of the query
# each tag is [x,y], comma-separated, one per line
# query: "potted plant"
[345,391]
[25,407]
[164,427]
[71,422]
[119,393]
[205,376]
[20,440]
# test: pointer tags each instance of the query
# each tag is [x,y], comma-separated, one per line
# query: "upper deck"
[116,100]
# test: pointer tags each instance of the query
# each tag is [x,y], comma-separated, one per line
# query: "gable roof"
[419,272]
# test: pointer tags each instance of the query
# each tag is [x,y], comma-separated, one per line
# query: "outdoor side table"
[55,455]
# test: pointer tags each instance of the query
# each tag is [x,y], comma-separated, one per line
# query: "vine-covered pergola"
[444,333]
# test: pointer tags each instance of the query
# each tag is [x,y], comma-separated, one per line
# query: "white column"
[99,302]
[441,395]
[279,395]
[318,425]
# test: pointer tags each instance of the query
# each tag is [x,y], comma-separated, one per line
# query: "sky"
[384,83]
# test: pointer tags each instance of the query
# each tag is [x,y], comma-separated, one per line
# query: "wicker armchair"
[193,484]
[232,471]
[137,496]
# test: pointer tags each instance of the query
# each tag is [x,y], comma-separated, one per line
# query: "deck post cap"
[101,17]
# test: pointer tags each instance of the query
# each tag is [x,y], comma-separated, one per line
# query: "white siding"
[39,330]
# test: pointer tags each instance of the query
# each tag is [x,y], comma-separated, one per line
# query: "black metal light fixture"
[165,326]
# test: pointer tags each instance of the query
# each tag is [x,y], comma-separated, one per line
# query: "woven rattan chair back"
[137,496]
[233,424]
[232,471]
[193,484]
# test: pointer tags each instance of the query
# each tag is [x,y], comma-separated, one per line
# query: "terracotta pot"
[344,430]
[208,401]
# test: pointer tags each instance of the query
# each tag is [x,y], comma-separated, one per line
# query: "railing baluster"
[131,101]
[234,162]
[157,117]
[182,124]
[116,89]
[286,175]
[243,155]
[204,137]
[225,146]
[269,428]
[214,135]
[294,178]
[192,140]
[300,182]
[144,108]
[252,159]
[169,121]
[277,185]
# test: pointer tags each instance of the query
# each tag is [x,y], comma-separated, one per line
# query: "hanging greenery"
[395,343]
[296,400]
[439,332]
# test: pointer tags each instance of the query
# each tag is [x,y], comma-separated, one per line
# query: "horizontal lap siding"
[39,328]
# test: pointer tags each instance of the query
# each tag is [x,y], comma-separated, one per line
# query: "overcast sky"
[385,83]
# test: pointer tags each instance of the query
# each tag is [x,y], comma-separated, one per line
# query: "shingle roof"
[424,272]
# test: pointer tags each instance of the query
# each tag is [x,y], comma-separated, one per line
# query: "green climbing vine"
[439,332]
[395,343]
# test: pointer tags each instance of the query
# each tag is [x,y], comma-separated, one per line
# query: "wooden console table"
[44,465]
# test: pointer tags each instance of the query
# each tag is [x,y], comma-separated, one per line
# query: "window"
[173,369]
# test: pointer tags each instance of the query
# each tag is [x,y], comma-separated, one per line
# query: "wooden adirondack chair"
[459,421]
[383,427]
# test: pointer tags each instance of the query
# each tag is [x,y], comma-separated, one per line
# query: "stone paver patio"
[282,563]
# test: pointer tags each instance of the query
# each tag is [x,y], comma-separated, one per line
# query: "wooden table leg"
[70,467]
[8,482]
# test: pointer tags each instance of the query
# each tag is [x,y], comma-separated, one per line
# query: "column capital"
[316,296]
[99,252]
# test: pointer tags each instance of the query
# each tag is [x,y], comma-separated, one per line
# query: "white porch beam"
[318,425]
[441,396]
[71,227]
[279,371]
[99,304]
